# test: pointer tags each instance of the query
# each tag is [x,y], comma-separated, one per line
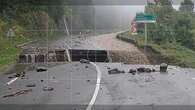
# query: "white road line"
[11,81]
[91,103]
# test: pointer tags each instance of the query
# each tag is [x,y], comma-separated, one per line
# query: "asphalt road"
[74,86]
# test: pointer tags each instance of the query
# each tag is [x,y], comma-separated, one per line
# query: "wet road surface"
[74,84]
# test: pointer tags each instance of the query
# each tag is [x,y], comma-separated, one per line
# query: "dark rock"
[86,67]
[17,75]
[48,89]
[84,61]
[10,77]
[115,71]
[148,70]
[141,69]
[41,69]
[153,70]
[41,80]
[132,71]
[31,85]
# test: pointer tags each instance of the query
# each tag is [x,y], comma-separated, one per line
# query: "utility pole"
[66,26]
[146,37]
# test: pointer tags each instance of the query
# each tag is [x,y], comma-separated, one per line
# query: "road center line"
[91,103]
[11,81]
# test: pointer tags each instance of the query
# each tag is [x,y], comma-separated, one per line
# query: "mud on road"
[119,51]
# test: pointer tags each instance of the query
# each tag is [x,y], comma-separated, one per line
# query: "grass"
[9,52]
[173,54]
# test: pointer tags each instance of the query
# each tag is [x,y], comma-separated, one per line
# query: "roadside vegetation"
[172,38]
[33,20]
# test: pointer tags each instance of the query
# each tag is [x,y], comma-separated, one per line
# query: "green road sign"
[145,18]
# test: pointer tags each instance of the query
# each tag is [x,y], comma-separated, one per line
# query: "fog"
[111,16]
[115,17]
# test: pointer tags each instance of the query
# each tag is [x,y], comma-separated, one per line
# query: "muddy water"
[74,42]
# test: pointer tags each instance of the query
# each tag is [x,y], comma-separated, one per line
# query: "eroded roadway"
[74,85]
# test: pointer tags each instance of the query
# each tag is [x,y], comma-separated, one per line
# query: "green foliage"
[172,25]
[171,53]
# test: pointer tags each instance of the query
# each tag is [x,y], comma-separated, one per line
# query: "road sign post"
[146,19]
[146,36]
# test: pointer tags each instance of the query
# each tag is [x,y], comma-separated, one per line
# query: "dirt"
[120,51]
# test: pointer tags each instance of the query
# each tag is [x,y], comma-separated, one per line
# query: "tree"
[187,6]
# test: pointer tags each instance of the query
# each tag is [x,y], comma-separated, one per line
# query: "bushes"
[171,53]
[172,25]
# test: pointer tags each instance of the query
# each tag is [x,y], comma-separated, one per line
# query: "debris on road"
[143,69]
[41,69]
[148,70]
[31,85]
[10,77]
[115,71]
[48,88]
[84,61]
[22,74]
[18,93]
[42,80]
[163,67]
[88,80]
[153,70]
[132,71]
[86,66]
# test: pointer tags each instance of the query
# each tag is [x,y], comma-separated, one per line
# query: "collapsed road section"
[74,55]
[62,55]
